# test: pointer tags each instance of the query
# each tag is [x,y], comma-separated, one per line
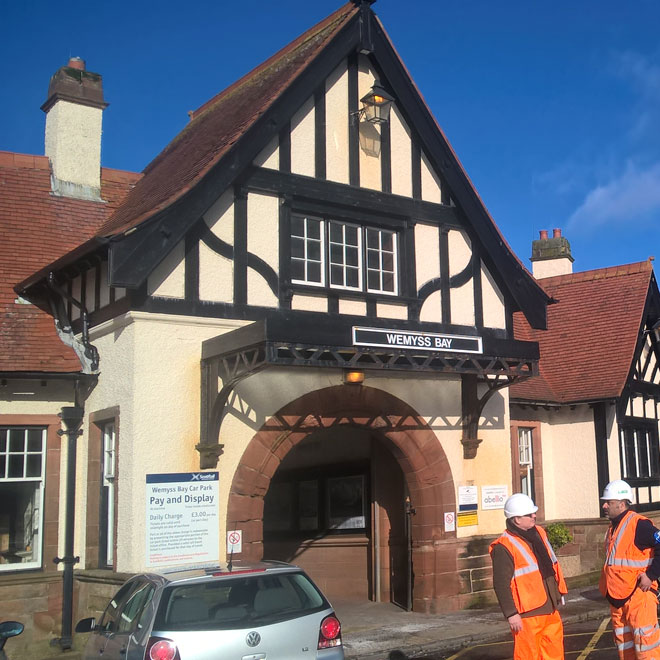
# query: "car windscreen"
[231,603]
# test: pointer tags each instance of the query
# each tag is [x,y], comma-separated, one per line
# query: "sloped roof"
[588,349]
[227,133]
[218,124]
[36,228]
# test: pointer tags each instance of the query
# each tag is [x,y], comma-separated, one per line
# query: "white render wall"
[150,370]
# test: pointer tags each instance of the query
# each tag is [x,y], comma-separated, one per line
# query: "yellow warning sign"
[467,518]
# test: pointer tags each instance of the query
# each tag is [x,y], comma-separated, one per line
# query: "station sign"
[420,341]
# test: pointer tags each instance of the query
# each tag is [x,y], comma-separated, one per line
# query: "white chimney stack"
[74,111]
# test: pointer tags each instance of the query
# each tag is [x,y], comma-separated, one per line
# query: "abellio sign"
[421,341]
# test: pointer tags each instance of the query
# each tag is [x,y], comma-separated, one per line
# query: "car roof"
[221,570]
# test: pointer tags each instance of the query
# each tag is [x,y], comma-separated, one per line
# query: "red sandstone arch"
[411,441]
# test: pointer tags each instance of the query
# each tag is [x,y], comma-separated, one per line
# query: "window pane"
[3,466]
[297,226]
[3,440]
[336,233]
[314,251]
[352,256]
[313,228]
[388,282]
[298,270]
[16,440]
[387,239]
[337,275]
[35,439]
[297,247]
[352,277]
[33,468]
[351,235]
[314,272]
[372,239]
[336,254]
[372,259]
[373,281]
[388,262]
[19,524]
[15,467]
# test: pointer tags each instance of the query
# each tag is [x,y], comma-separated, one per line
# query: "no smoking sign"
[450,521]
[234,541]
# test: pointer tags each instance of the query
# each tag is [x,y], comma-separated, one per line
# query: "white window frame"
[108,487]
[37,502]
[305,259]
[363,270]
[344,247]
[380,251]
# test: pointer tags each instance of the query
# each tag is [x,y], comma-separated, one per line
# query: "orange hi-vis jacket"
[527,583]
[624,561]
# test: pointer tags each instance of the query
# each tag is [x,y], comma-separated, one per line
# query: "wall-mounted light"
[376,105]
[353,377]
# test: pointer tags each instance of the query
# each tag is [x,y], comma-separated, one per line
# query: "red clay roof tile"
[37,228]
[588,348]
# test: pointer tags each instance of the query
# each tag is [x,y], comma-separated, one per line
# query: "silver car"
[258,611]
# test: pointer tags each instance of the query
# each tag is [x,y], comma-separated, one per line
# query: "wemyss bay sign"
[424,341]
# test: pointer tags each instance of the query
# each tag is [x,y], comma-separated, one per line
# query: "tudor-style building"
[319,309]
[279,242]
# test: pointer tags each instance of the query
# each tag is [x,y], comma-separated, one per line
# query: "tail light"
[159,648]
[330,632]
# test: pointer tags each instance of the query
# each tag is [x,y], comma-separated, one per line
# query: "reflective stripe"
[635,563]
[619,533]
[620,631]
[531,564]
[625,645]
[647,647]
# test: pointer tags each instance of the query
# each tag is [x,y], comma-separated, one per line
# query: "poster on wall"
[493,497]
[467,498]
[182,518]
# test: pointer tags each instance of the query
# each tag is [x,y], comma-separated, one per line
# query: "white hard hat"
[519,504]
[618,490]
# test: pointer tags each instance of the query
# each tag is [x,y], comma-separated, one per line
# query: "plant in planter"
[558,535]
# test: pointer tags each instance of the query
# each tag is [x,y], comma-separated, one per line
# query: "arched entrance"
[398,432]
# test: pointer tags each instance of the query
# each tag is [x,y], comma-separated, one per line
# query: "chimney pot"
[556,233]
[543,234]
[76,63]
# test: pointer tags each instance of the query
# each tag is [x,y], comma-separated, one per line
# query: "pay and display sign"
[182,518]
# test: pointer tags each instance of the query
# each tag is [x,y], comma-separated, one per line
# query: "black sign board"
[420,341]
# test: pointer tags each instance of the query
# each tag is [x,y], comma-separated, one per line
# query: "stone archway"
[414,445]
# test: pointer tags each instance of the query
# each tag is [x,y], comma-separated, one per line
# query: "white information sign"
[234,542]
[182,518]
[493,497]
[450,521]
[467,495]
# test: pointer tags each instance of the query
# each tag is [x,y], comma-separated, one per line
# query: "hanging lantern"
[376,104]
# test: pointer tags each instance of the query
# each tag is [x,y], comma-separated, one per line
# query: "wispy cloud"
[633,196]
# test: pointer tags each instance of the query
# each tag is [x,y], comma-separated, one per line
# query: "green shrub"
[558,535]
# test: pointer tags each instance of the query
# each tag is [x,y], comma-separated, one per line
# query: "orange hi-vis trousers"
[635,627]
[542,638]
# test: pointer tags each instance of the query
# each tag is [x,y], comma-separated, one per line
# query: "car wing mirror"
[86,625]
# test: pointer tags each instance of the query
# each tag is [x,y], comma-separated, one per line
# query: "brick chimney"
[551,256]
[74,110]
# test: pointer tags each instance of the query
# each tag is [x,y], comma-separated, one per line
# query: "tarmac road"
[588,640]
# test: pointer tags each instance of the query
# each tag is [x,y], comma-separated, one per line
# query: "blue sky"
[552,107]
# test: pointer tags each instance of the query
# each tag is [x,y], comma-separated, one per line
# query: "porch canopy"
[304,339]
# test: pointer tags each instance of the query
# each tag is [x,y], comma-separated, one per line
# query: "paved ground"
[587,640]
[382,631]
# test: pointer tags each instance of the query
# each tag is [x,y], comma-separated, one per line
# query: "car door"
[97,642]
[125,641]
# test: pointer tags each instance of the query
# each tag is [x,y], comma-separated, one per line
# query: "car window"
[130,612]
[108,622]
[232,603]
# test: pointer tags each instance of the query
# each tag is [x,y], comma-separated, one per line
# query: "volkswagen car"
[267,610]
